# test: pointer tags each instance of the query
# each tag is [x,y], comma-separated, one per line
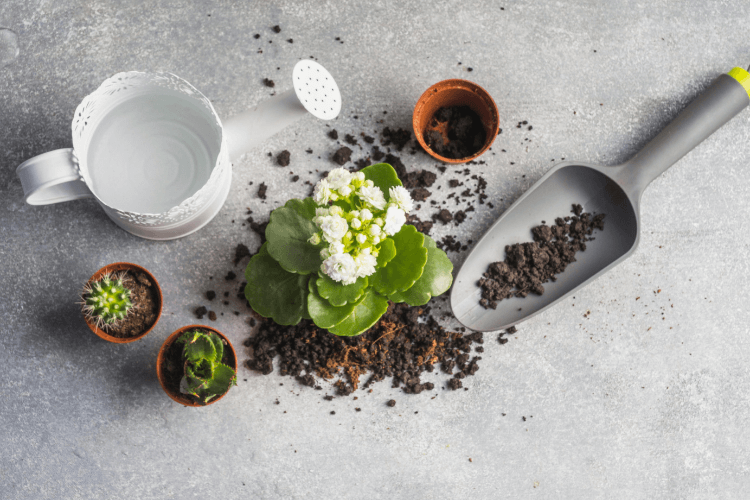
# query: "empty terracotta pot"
[454,92]
[118,267]
[162,370]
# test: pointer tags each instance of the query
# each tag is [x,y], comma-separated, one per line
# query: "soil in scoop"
[145,308]
[173,366]
[527,266]
[405,343]
[464,130]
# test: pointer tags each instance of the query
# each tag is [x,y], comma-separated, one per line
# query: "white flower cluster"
[353,236]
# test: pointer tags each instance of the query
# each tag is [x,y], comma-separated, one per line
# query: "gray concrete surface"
[645,397]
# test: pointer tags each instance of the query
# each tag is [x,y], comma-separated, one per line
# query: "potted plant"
[340,256]
[196,365]
[121,302]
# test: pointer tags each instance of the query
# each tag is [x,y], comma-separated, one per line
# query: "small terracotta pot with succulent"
[121,302]
[197,365]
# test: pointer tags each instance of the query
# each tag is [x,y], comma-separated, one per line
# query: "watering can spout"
[314,91]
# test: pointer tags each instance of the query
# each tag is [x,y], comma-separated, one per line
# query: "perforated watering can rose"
[338,257]
[151,149]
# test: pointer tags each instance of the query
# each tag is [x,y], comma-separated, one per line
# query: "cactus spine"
[107,301]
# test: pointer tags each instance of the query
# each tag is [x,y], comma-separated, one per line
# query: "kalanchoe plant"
[205,376]
[339,257]
[107,301]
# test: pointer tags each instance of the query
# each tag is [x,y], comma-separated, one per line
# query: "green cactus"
[107,301]
[205,376]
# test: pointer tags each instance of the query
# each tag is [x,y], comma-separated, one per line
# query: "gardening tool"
[614,191]
[152,151]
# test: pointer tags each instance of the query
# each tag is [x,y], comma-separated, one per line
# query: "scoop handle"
[725,97]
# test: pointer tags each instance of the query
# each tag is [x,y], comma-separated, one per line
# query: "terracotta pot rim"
[124,266]
[452,83]
[178,397]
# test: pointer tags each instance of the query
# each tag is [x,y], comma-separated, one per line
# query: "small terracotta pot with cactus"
[121,302]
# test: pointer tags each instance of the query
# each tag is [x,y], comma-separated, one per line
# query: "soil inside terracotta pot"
[463,130]
[173,366]
[145,310]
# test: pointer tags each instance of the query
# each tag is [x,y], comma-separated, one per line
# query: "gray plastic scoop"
[614,191]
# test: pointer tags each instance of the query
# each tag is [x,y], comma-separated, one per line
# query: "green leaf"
[273,292]
[436,279]
[224,377]
[365,314]
[337,293]
[323,313]
[429,242]
[218,345]
[199,347]
[406,267]
[287,233]
[383,176]
[387,252]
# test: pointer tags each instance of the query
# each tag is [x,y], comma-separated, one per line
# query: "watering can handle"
[726,97]
[52,178]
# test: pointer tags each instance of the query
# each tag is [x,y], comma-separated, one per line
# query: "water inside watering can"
[152,152]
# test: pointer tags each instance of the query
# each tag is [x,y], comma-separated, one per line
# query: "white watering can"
[152,151]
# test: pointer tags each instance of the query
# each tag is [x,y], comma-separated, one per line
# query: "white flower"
[334,227]
[369,183]
[338,178]
[374,230]
[336,210]
[321,212]
[394,219]
[335,248]
[367,250]
[365,214]
[401,197]
[315,239]
[378,222]
[340,267]
[365,264]
[355,223]
[361,238]
[372,195]
[322,193]
[324,254]
[376,240]
[345,191]
[359,176]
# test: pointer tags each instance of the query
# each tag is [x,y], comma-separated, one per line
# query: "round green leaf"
[387,252]
[366,313]
[289,229]
[274,292]
[406,267]
[383,176]
[338,294]
[323,313]
[436,279]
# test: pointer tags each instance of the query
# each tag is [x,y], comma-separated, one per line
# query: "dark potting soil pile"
[464,131]
[527,266]
[399,346]
[145,308]
[173,366]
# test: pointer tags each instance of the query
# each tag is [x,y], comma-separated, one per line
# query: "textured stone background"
[641,399]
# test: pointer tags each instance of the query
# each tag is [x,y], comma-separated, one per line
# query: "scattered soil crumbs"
[262,191]
[464,132]
[528,265]
[282,159]
[276,29]
[333,134]
[342,156]
[268,83]
[145,307]
[399,345]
